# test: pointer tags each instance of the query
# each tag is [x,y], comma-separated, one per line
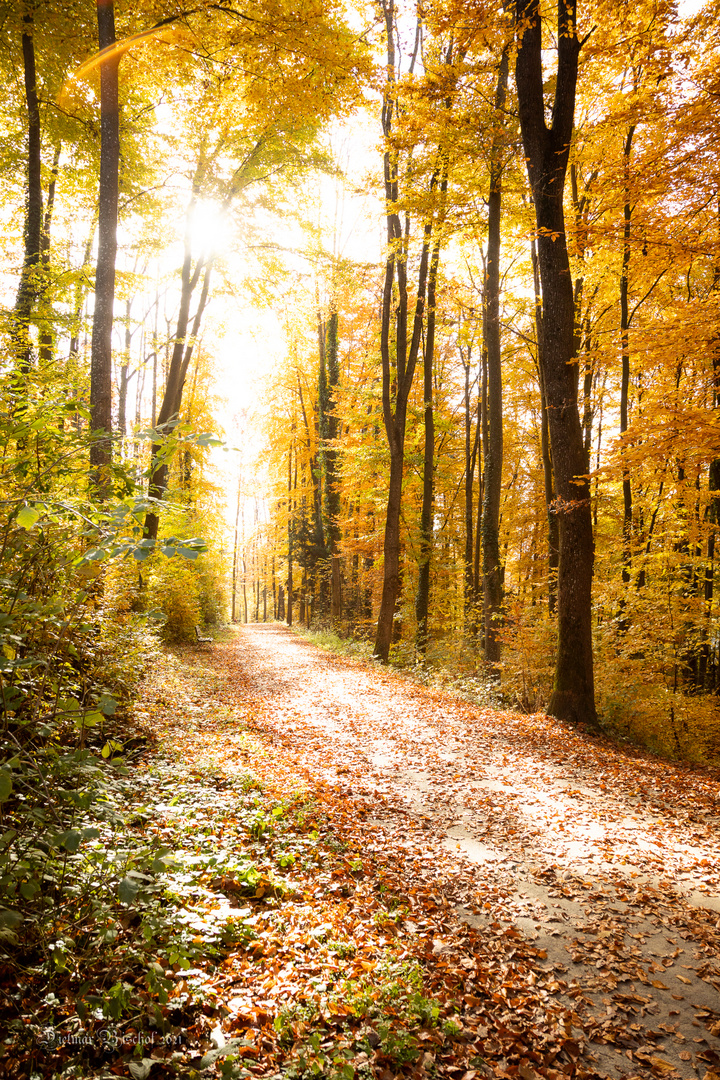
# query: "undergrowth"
[171,873]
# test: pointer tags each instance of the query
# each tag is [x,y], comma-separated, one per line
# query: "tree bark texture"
[29,284]
[45,350]
[625,350]
[400,374]
[552,521]
[546,151]
[471,452]
[422,599]
[492,570]
[101,347]
[330,453]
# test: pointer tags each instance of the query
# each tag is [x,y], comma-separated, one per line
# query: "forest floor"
[437,889]
[561,895]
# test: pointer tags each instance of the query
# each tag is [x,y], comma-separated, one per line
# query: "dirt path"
[606,863]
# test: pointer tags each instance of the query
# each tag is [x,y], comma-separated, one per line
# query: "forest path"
[604,863]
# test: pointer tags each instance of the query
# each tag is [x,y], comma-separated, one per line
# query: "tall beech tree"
[422,597]
[492,570]
[101,348]
[328,379]
[28,286]
[400,330]
[547,151]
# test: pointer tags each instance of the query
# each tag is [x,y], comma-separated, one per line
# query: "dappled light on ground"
[564,893]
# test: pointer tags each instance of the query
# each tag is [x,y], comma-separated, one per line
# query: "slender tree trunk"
[45,350]
[29,284]
[709,655]
[482,450]
[546,152]
[492,570]
[257,584]
[101,347]
[290,538]
[470,459]
[397,376]
[303,595]
[625,350]
[122,391]
[80,294]
[235,552]
[552,521]
[422,600]
[329,379]
[588,377]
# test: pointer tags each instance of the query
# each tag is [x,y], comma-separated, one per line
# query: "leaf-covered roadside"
[214,902]
[237,916]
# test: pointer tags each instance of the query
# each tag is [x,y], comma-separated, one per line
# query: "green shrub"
[174,589]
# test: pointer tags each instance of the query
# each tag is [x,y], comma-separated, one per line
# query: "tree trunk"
[290,538]
[397,376]
[328,379]
[80,294]
[391,552]
[29,284]
[546,152]
[233,615]
[244,572]
[101,347]
[422,600]
[482,450]
[709,657]
[45,342]
[552,521]
[122,390]
[470,459]
[625,349]
[492,570]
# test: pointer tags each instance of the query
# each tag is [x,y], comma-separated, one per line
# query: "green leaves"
[230,1047]
[9,921]
[128,890]
[89,720]
[71,840]
[5,784]
[107,704]
[27,516]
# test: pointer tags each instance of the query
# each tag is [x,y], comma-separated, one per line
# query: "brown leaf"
[661,1064]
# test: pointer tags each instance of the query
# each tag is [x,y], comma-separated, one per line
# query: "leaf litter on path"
[439,889]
